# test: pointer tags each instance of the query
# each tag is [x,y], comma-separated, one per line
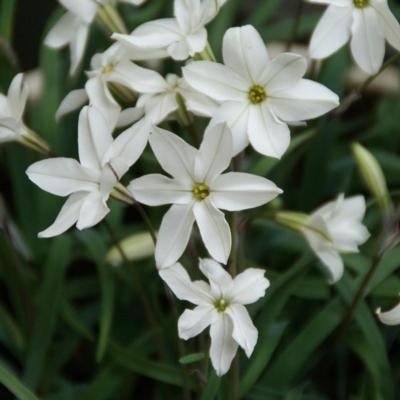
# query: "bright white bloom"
[198,190]
[337,228]
[89,182]
[365,23]
[259,96]
[391,317]
[180,37]
[220,305]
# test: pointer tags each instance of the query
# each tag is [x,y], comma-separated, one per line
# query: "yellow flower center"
[361,3]
[200,191]
[257,94]
[107,69]
[221,305]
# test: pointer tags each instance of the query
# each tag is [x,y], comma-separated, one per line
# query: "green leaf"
[211,389]
[191,358]
[7,13]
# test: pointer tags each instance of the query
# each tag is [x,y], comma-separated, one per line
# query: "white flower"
[337,228]
[365,23]
[180,37]
[219,305]
[198,190]
[259,96]
[89,182]
[391,317]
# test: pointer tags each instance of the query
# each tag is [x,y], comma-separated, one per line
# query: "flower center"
[107,69]
[257,94]
[200,191]
[361,3]
[221,305]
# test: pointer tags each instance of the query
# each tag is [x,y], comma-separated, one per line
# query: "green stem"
[206,55]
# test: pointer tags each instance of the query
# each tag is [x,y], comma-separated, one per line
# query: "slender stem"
[296,24]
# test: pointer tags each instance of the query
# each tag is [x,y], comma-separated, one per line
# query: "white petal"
[283,72]
[368,42]
[236,115]
[216,81]
[388,22]
[391,317]
[339,3]
[215,153]
[187,13]
[62,32]
[78,46]
[214,230]
[156,190]
[197,41]
[129,116]
[74,100]
[158,107]
[174,155]
[219,278]
[267,134]
[85,9]
[249,286]
[67,217]
[17,96]
[93,211]
[192,322]
[235,191]
[332,32]
[244,331]
[223,347]
[94,138]
[304,100]
[174,234]
[178,280]
[61,176]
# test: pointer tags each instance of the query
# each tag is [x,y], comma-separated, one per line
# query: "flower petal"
[215,153]
[78,46]
[61,176]
[244,331]
[223,348]
[62,32]
[267,134]
[93,211]
[332,32]
[218,276]
[17,96]
[214,230]
[367,43]
[192,322]
[158,107]
[174,155]
[249,286]
[216,81]
[129,116]
[74,100]
[174,234]
[86,10]
[391,317]
[235,191]
[244,51]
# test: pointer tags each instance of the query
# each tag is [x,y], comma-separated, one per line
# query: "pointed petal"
[267,134]
[218,276]
[215,153]
[174,155]
[174,234]
[223,348]
[85,9]
[17,96]
[129,116]
[235,191]
[391,317]
[216,81]
[158,107]
[244,331]
[93,211]
[214,230]
[74,100]
[249,286]
[78,46]
[61,176]
[192,322]
[62,32]
[244,51]
[332,32]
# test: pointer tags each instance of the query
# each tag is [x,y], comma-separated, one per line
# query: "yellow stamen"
[200,191]
[257,94]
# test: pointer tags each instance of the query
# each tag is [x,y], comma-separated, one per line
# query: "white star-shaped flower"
[365,23]
[259,96]
[390,317]
[336,228]
[198,190]
[89,182]
[180,37]
[220,305]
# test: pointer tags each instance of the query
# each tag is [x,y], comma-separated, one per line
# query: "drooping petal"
[67,217]
[61,176]
[367,43]
[156,190]
[219,278]
[244,51]
[85,9]
[93,211]
[391,317]
[174,234]
[214,230]
[174,155]
[215,153]
[244,331]
[249,286]
[62,32]
[178,280]
[235,191]
[332,32]
[17,96]
[192,322]
[78,46]
[216,81]
[223,347]
[74,100]
[304,100]
[267,134]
